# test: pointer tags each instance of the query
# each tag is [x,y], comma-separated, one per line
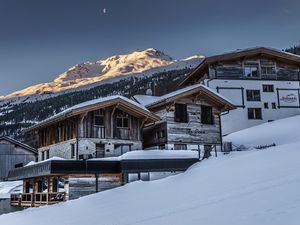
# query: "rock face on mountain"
[146,62]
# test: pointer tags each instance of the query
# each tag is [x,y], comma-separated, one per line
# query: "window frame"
[250,66]
[179,116]
[255,117]
[252,98]
[266,88]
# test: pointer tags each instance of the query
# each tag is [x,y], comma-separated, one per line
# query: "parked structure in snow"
[14,154]
[98,128]
[190,119]
[262,82]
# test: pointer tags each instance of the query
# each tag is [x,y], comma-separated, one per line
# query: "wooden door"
[100,150]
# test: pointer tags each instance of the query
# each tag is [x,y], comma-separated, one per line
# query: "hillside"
[251,187]
[90,74]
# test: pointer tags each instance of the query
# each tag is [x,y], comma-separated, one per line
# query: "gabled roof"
[154,101]
[233,55]
[16,142]
[122,102]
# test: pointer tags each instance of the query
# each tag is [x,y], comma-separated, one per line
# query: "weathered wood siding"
[192,132]
[10,156]
[235,69]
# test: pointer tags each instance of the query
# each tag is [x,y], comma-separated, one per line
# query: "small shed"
[14,154]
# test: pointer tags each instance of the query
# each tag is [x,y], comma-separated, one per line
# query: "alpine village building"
[109,127]
[263,83]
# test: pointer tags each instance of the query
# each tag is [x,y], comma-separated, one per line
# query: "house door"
[100,150]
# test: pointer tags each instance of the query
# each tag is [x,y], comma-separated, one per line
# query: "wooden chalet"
[190,118]
[98,128]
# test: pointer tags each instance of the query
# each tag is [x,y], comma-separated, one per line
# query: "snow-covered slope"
[145,62]
[279,132]
[252,187]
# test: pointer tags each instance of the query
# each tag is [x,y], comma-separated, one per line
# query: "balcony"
[38,199]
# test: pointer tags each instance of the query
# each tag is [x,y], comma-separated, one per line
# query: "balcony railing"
[30,199]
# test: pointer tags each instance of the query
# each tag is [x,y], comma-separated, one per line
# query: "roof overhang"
[120,103]
[224,104]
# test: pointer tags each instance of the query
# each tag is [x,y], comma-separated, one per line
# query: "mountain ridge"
[110,69]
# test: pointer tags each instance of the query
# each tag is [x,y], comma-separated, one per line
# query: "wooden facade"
[107,128]
[189,119]
[271,65]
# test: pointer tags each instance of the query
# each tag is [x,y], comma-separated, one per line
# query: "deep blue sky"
[41,38]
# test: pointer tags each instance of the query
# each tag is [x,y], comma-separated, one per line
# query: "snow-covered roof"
[113,99]
[153,154]
[149,101]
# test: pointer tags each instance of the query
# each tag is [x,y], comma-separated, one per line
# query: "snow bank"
[154,154]
[6,188]
[278,132]
[253,187]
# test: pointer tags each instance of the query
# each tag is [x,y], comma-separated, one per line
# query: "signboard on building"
[288,98]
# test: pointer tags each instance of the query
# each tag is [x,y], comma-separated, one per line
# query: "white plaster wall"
[238,119]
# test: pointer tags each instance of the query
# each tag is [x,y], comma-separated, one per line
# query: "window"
[266,105]
[251,70]
[123,120]
[253,95]
[43,156]
[72,151]
[273,105]
[268,88]
[160,134]
[254,114]
[47,154]
[99,118]
[18,165]
[207,115]
[268,70]
[181,114]
[180,147]
[121,149]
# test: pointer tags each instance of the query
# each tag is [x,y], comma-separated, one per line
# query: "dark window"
[19,165]
[72,150]
[266,105]
[251,70]
[268,70]
[160,134]
[47,154]
[268,88]
[273,105]
[180,147]
[43,156]
[254,114]
[99,118]
[181,114]
[253,95]
[123,120]
[207,115]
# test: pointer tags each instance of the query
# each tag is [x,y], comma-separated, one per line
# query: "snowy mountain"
[250,187]
[111,69]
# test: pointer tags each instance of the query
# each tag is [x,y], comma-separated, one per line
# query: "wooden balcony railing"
[30,199]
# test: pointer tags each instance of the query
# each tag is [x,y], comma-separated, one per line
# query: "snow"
[152,100]
[278,132]
[31,163]
[6,188]
[90,74]
[154,154]
[250,187]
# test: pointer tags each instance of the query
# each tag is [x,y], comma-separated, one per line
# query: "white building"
[263,83]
